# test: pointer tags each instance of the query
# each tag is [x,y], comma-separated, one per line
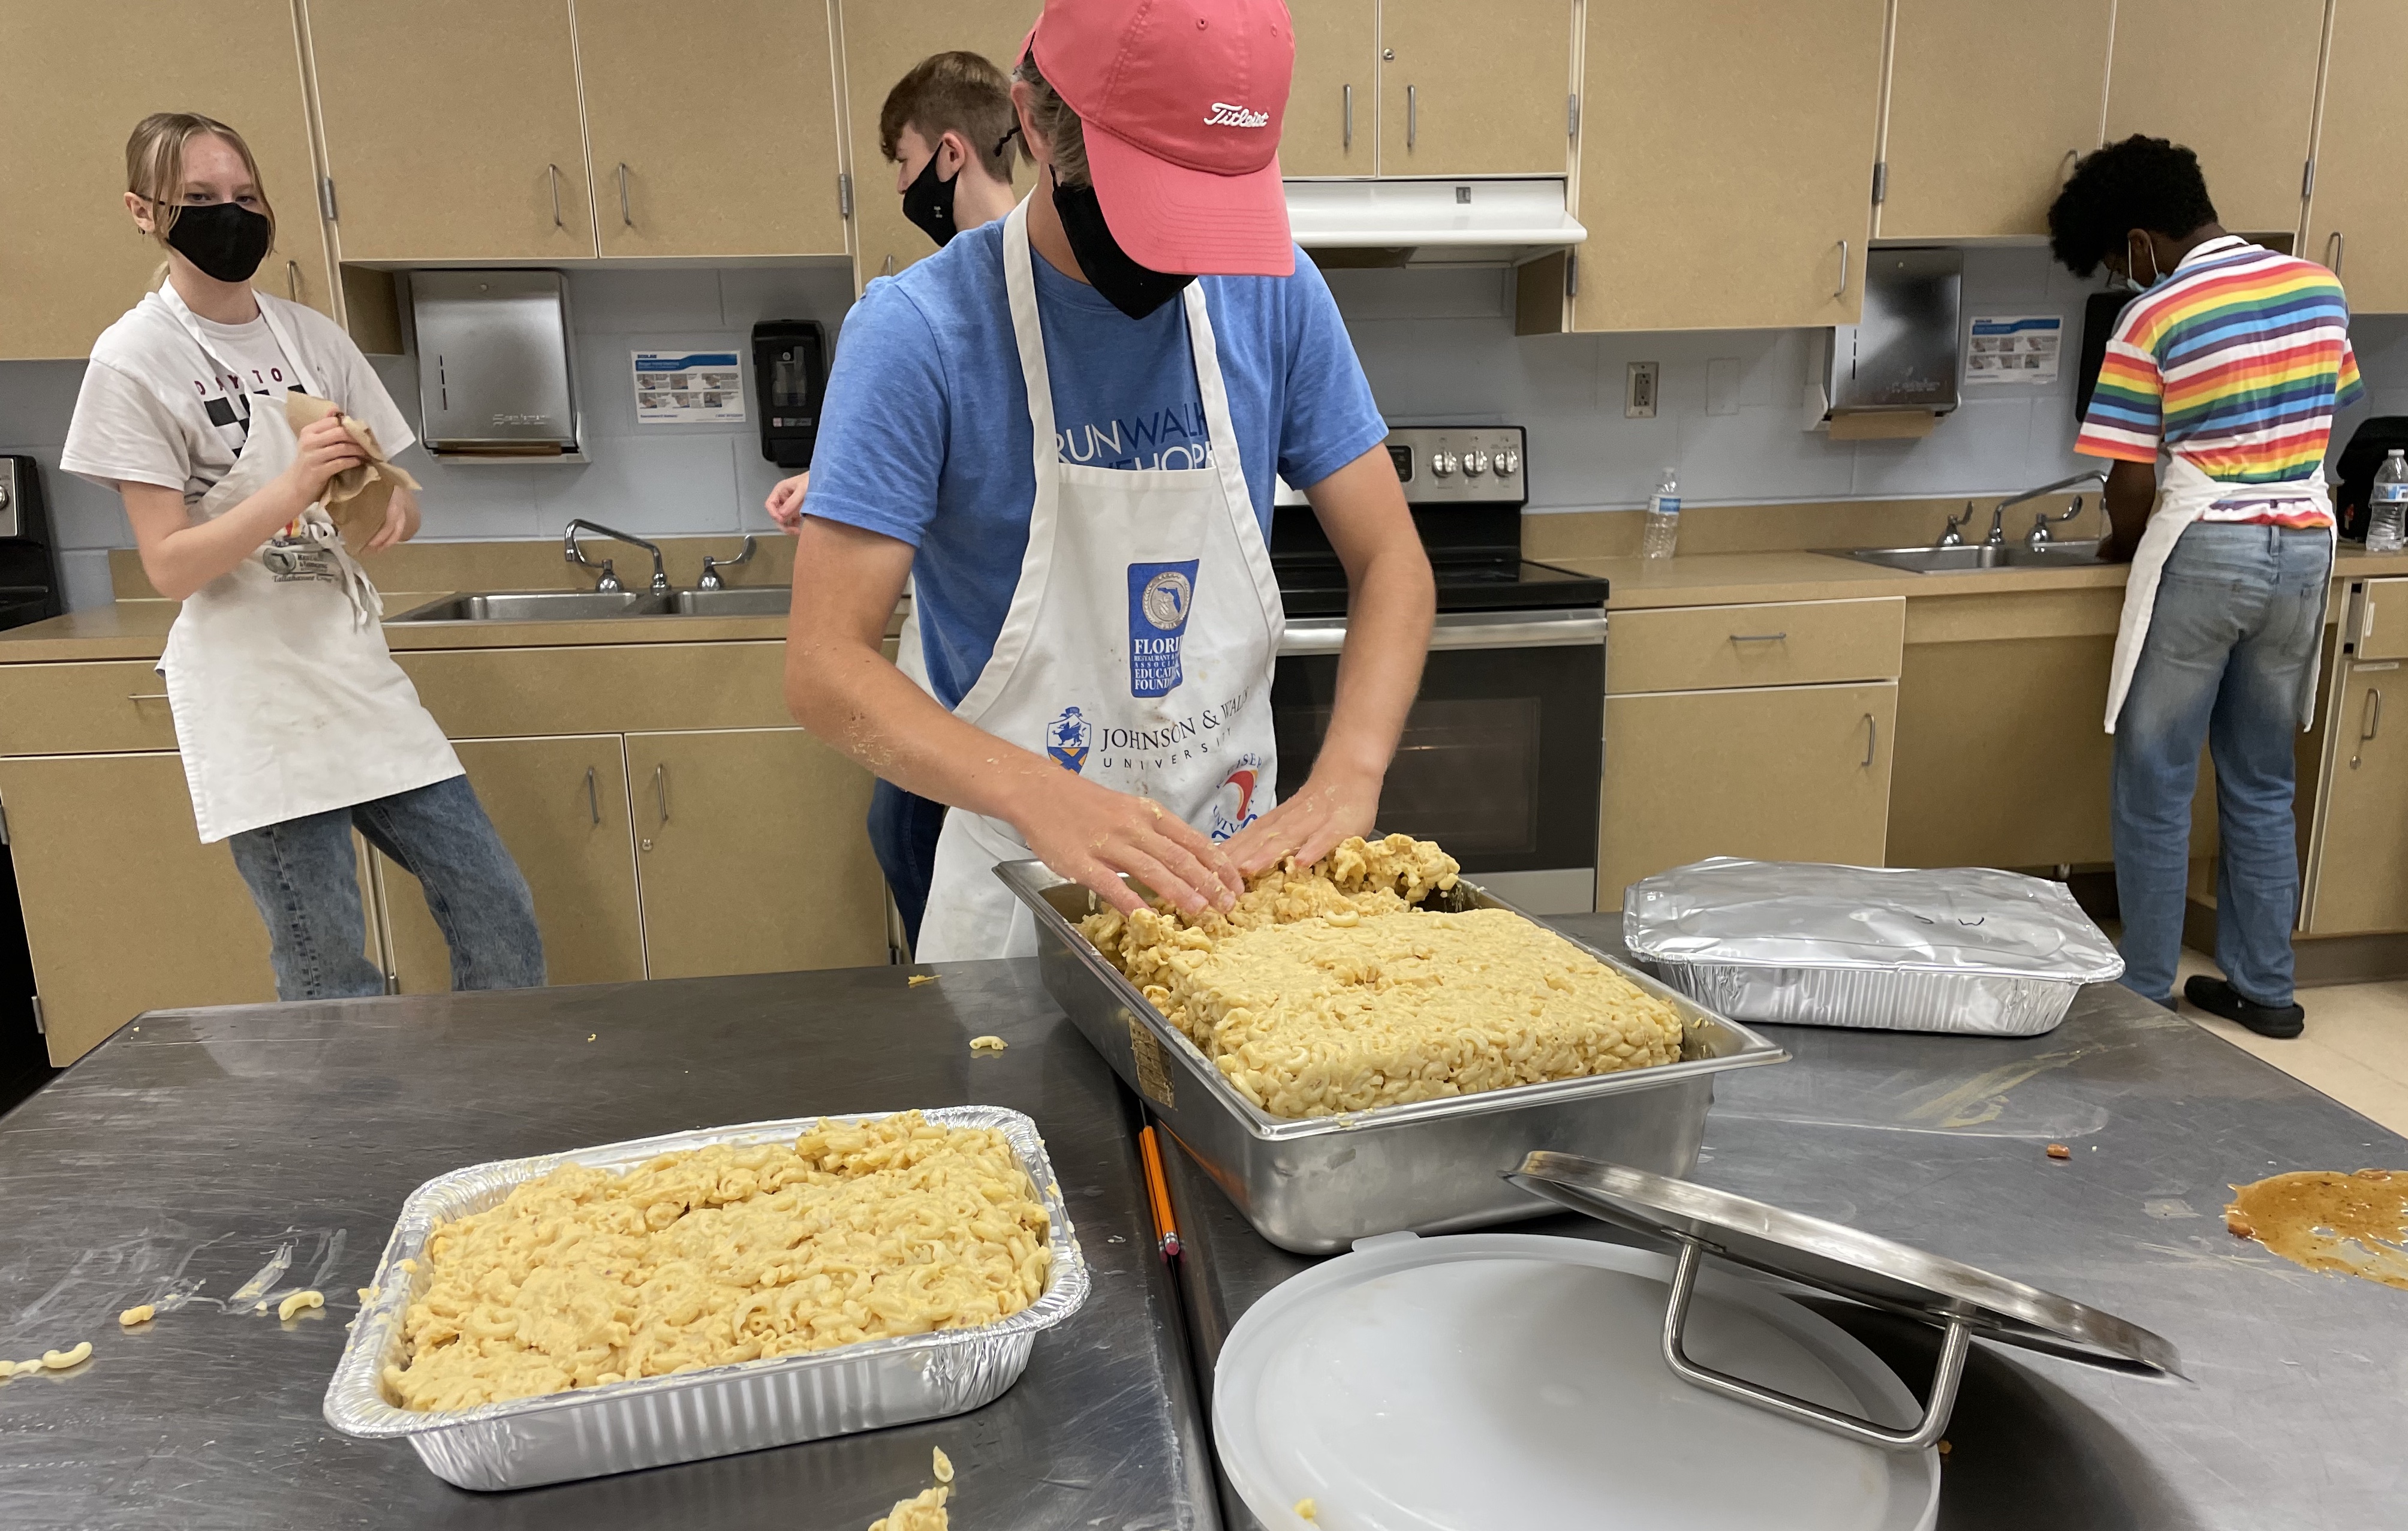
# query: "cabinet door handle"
[2334,248]
[1413,115]
[293,280]
[888,269]
[556,196]
[1842,290]
[624,215]
[1346,130]
[1759,637]
[593,799]
[661,789]
[146,695]
[2370,722]
[1872,734]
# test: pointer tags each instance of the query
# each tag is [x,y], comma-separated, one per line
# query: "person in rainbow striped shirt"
[2226,368]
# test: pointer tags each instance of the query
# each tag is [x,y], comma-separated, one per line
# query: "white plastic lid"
[1512,1380]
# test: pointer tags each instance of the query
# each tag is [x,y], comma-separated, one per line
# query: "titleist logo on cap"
[1225,115]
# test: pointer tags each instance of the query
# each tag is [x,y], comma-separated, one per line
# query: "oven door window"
[1500,759]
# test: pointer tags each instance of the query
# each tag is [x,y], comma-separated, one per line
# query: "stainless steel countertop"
[197,1144]
[2300,1395]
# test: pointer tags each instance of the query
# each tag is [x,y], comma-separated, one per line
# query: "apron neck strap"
[190,321]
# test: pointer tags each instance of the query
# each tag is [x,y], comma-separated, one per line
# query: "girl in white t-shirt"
[294,723]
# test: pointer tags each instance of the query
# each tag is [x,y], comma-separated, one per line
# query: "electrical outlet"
[1638,398]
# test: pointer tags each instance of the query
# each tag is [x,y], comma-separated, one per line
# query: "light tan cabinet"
[71,260]
[1788,773]
[2253,159]
[882,43]
[1989,106]
[714,133]
[560,804]
[2357,871]
[2358,214]
[453,128]
[1734,179]
[1461,95]
[1332,122]
[751,854]
[125,909]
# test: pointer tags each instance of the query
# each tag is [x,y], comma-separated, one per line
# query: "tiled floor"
[2355,1049]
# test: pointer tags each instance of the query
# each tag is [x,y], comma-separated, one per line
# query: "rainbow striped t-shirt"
[2237,362]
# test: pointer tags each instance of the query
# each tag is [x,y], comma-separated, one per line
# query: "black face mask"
[928,202]
[1135,290]
[225,239]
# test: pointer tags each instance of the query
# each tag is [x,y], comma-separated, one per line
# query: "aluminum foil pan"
[651,1422]
[1962,948]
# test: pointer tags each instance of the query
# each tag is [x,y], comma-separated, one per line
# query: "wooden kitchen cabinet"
[882,43]
[453,129]
[1788,773]
[1990,105]
[71,260]
[751,854]
[125,909]
[2358,869]
[560,805]
[1460,97]
[1735,179]
[2253,159]
[1333,108]
[715,134]
[2357,219]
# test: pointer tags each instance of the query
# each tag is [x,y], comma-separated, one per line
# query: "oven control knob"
[1509,461]
[1475,464]
[1441,462]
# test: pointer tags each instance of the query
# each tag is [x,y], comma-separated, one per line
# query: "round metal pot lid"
[1870,1269]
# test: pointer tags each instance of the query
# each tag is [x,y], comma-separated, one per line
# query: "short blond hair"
[154,165]
[959,92]
[1057,120]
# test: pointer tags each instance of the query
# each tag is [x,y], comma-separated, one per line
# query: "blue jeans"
[2237,628]
[305,881]
[903,831]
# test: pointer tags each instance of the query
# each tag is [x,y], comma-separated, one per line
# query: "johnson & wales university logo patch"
[1066,740]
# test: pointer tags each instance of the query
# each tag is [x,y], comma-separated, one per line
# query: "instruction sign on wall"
[2015,348]
[688,387]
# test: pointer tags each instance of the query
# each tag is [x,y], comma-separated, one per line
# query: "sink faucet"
[711,567]
[610,580]
[2038,536]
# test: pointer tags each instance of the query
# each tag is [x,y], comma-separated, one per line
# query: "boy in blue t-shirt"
[1156,158]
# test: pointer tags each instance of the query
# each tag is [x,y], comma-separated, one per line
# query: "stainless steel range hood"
[495,377]
[1430,222]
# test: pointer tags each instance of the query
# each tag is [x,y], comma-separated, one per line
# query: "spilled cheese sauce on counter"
[2348,1225]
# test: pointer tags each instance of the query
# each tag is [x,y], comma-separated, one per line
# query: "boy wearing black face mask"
[1069,441]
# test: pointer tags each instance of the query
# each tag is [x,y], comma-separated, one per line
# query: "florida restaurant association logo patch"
[1066,740]
[1161,596]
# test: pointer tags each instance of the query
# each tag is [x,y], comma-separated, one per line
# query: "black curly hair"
[2140,183]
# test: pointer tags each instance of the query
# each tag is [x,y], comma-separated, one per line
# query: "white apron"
[286,701]
[1138,647]
[2183,496]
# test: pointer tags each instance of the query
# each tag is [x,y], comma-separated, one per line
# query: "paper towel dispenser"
[496,379]
[1895,372]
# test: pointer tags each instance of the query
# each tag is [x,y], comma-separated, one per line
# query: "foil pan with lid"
[1959,949]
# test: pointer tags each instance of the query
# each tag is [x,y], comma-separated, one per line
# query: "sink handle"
[2039,537]
[1955,535]
[1935,1414]
[711,567]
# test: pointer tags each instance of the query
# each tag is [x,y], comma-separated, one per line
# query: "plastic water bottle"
[2386,507]
[1664,516]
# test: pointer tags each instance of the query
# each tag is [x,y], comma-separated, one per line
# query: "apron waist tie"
[367,607]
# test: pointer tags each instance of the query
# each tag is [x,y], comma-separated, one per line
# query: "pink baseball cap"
[1181,102]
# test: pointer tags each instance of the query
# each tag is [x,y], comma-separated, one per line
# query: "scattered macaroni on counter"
[923,1511]
[1327,990]
[706,1258]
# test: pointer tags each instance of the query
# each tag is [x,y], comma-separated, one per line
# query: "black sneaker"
[2217,997]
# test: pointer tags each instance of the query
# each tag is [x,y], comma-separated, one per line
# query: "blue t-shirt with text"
[924,435]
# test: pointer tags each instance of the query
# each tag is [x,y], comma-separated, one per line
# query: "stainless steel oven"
[1503,754]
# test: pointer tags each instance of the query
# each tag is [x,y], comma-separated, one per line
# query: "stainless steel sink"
[735,601]
[538,606]
[1971,556]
